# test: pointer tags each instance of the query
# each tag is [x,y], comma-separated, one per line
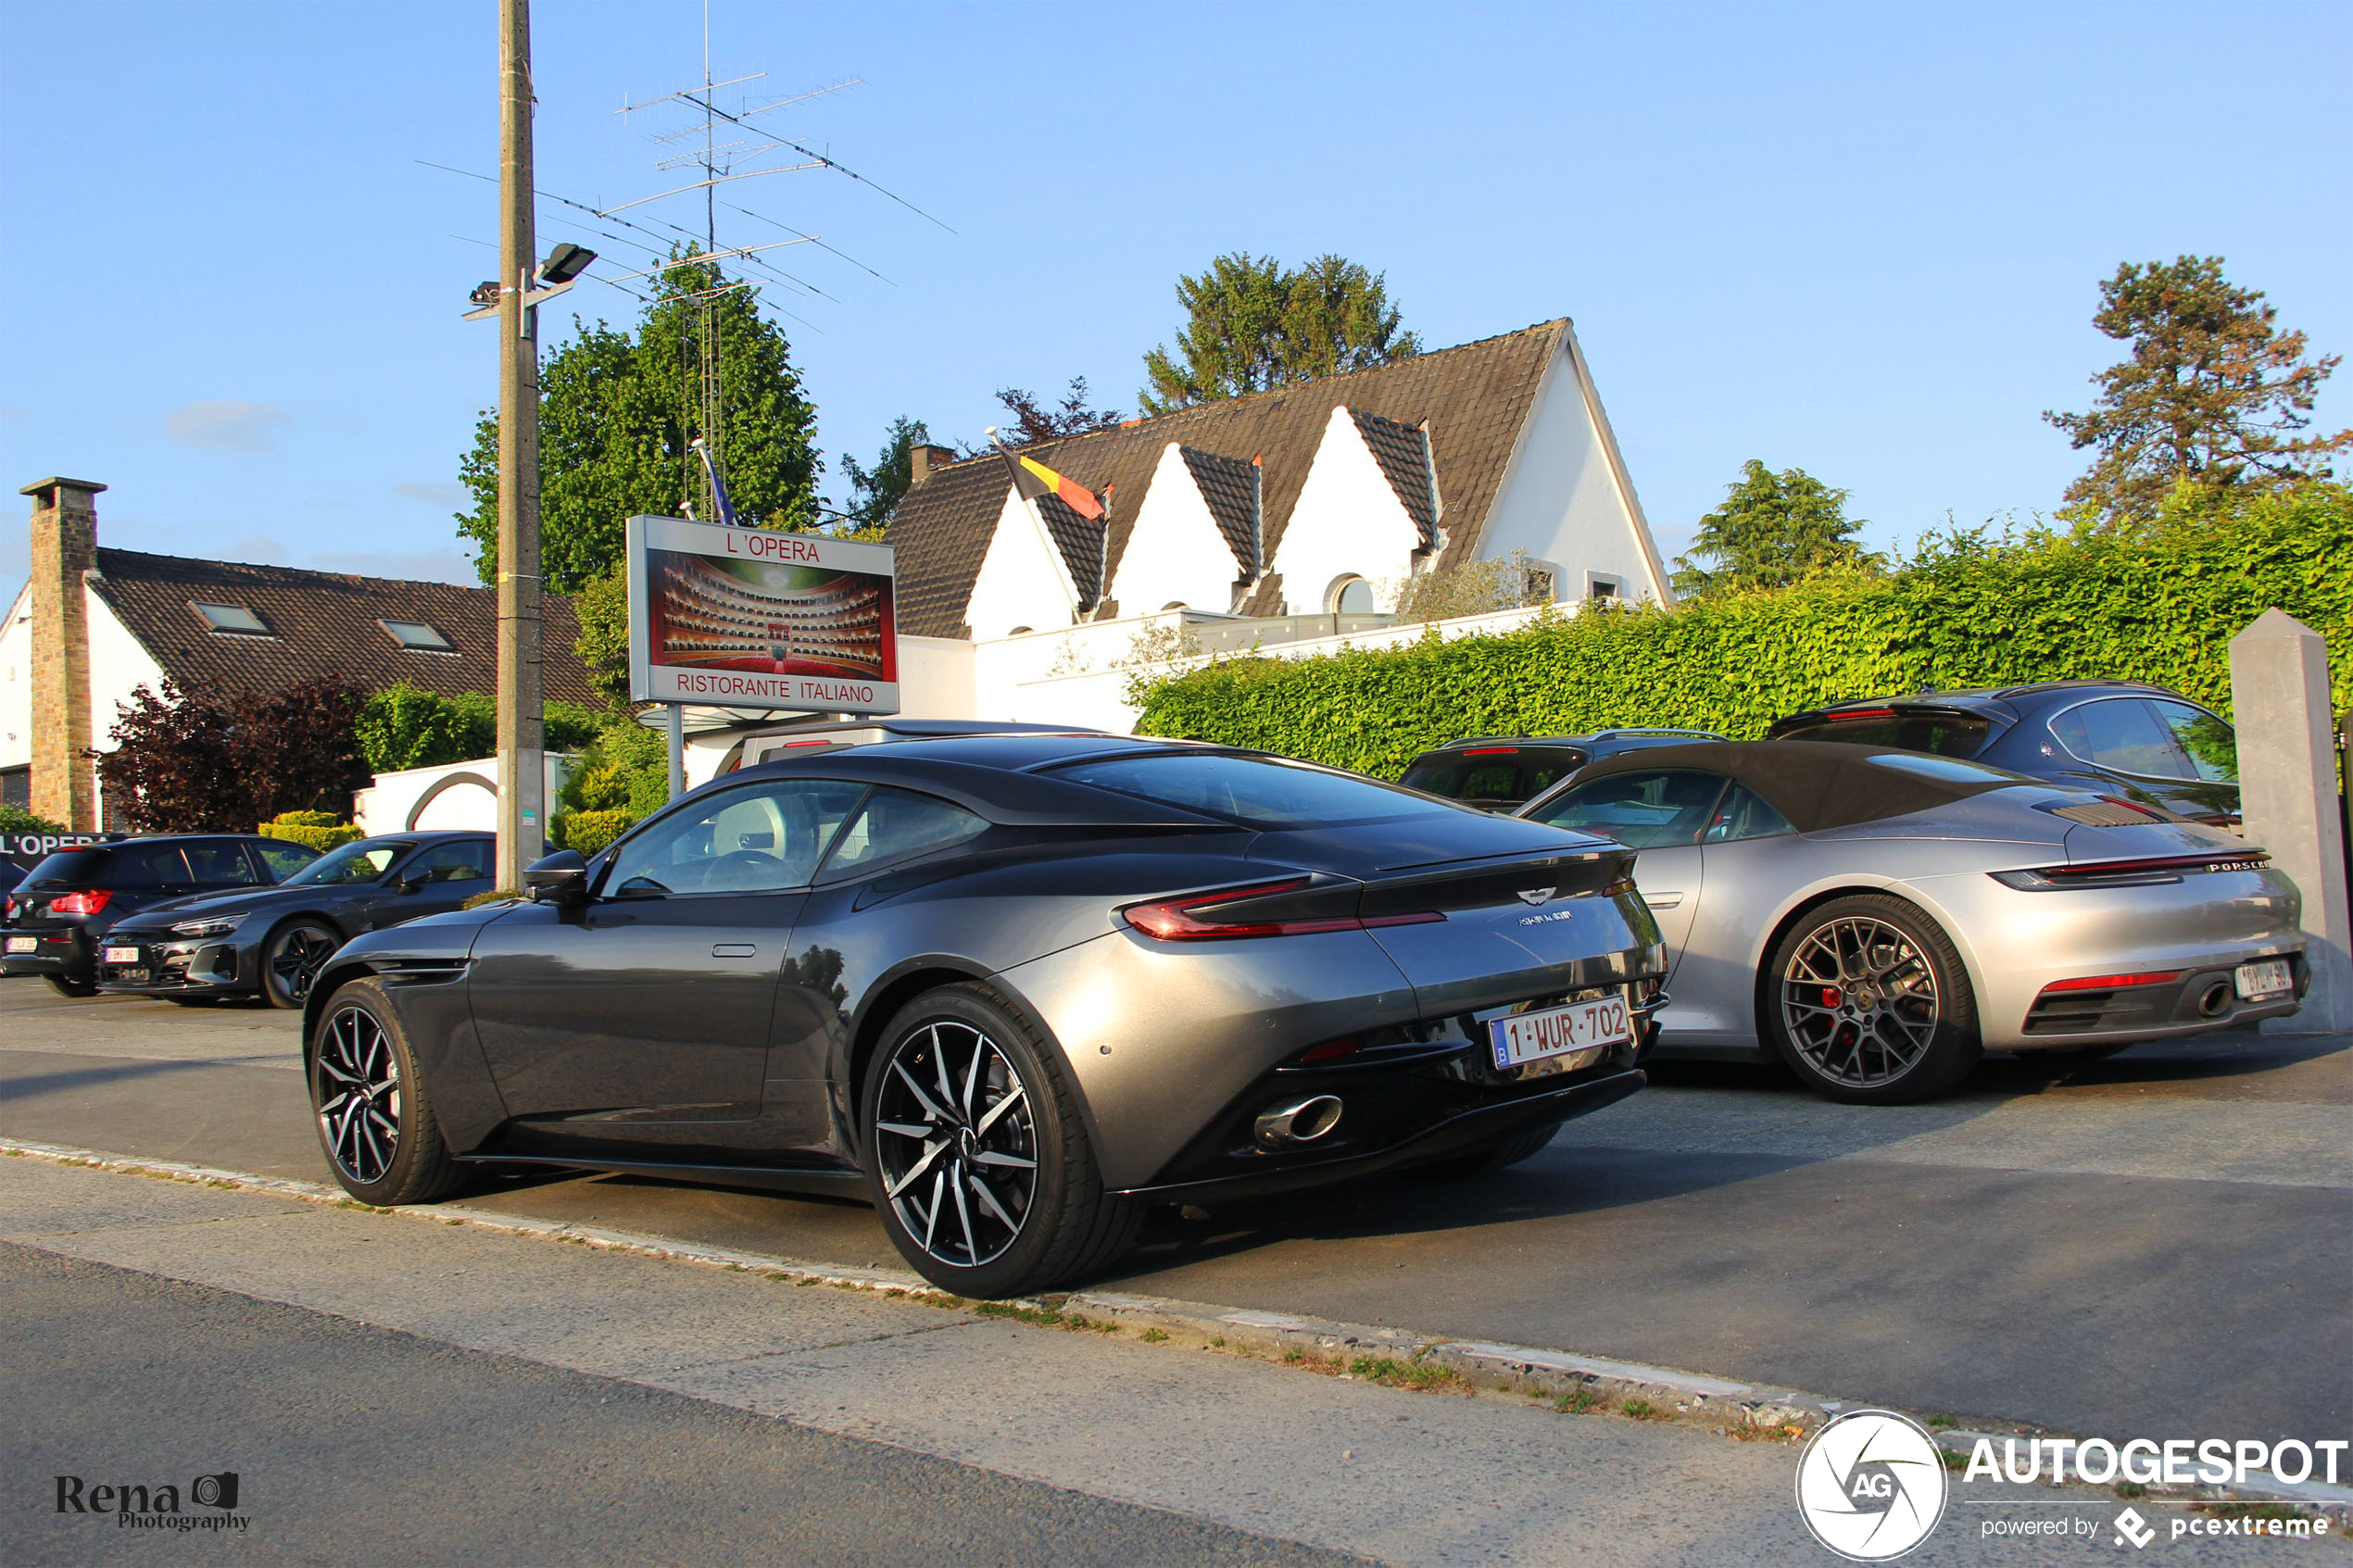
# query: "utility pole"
[522,819]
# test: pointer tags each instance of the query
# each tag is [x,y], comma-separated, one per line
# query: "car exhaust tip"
[1289,1123]
[2216,1002]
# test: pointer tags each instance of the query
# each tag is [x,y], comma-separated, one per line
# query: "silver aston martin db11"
[1011,988]
[1879,918]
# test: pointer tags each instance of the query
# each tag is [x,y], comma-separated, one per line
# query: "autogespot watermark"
[211,1503]
[1870,1485]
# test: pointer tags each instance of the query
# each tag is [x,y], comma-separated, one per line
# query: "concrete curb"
[1398,1358]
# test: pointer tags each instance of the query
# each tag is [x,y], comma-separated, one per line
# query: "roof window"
[418,635]
[234,620]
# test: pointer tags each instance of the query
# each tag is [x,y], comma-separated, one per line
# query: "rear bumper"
[66,953]
[2202,999]
[1455,1132]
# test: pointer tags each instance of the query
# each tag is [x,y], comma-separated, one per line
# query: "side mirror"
[409,884]
[560,878]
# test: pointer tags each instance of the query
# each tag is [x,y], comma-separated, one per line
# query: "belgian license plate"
[1580,1027]
[2272,977]
[24,944]
[121,955]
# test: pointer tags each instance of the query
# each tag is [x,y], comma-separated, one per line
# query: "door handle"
[1662,900]
[734,950]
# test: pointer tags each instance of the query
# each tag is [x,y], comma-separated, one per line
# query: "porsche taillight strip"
[1179,920]
[2153,868]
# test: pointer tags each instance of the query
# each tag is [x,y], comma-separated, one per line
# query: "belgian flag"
[1033,479]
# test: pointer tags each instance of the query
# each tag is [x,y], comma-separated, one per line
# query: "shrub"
[405,726]
[16,818]
[316,830]
[213,759]
[496,896]
[588,831]
[1967,611]
[626,768]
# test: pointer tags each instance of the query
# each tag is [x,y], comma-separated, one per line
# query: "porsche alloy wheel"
[956,1139]
[977,1154]
[1871,1004]
[359,1102]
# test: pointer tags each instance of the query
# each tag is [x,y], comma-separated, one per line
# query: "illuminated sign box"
[749,617]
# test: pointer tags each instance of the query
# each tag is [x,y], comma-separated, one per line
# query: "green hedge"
[317,829]
[1966,612]
[405,726]
[591,830]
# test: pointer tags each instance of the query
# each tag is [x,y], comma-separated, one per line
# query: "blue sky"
[1861,240]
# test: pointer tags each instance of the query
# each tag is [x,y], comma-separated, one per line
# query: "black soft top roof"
[1818,784]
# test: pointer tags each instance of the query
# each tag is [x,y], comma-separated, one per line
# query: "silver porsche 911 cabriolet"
[1879,919]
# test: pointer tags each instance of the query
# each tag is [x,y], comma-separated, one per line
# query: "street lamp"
[556,275]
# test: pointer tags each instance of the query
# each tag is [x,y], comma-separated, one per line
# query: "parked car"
[2144,743]
[57,918]
[1879,918]
[1012,989]
[271,942]
[1503,773]
[771,746]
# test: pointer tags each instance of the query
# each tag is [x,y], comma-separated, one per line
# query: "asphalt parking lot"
[2160,1242]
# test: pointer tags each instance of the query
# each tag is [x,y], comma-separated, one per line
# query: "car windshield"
[363,862]
[1260,792]
[1947,734]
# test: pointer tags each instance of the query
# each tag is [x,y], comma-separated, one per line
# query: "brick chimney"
[65,547]
[922,460]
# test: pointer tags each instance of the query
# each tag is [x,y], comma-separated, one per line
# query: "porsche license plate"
[1580,1027]
[121,955]
[24,944]
[2259,982]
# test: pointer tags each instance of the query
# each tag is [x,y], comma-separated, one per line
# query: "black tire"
[1026,1209]
[1486,1158]
[387,1148]
[1867,999]
[67,986]
[292,956]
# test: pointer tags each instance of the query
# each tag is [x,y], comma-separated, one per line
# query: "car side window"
[218,862]
[2212,746]
[2123,734]
[464,861]
[896,824]
[1743,813]
[1658,810]
[148,865]
[762,838]
[284,858]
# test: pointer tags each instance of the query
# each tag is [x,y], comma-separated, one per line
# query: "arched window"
[1021,631]
[1349,594]
[1174,604]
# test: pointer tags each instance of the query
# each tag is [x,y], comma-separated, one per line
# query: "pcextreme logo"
[1870,1485]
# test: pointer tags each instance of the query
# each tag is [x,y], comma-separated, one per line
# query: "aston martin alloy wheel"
[292,958]
[977,1157]
[371,1109]
[1867,999]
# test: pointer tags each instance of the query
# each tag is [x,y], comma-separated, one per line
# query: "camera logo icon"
[215,1491]
[1871,1486]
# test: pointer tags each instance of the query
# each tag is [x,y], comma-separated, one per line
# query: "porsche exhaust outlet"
[1289,1123]
[2216,1002]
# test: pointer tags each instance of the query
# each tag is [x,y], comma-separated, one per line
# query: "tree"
[875,492]
[208,759]
[1035,422]
[1773,530]
[1254,324]
[602,608]
[615,415]
[2213,396]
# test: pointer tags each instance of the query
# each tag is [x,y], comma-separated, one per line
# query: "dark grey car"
[1014,990]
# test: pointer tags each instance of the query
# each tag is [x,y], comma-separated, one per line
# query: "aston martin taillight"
[1193,919]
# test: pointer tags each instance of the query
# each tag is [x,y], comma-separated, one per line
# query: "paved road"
[2162,1242]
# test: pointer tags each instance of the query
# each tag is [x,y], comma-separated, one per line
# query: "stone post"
[65,547]
[2288,792]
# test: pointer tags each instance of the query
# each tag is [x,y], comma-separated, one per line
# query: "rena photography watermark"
[208,1502]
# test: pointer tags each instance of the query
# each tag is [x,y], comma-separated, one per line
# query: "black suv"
[56,919]
[1503,773]
[2141,744]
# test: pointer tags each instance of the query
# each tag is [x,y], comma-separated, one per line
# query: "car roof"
[1984,698]
[1622,732]
[998,777]
[1818,784]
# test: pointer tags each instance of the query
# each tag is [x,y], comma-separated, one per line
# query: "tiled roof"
[1475,397]
[1230,488]
[323,624]
[1081,543]
[1404,462]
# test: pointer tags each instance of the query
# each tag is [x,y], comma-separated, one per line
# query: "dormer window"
[233,621]
[416,635]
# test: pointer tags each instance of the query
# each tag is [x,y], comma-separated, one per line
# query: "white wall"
[1567,500]
[1348,521]
[385,806]
[1176,553]
[935,677]
[120,663]
[15,681]
[1024,580]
